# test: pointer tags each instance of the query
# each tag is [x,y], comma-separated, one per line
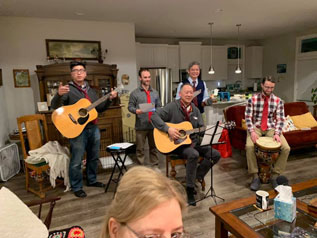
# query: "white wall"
[22,46]
[281,50]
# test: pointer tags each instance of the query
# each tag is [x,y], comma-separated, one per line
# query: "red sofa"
[296,139]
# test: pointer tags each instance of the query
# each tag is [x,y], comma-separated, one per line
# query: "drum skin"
[266,155]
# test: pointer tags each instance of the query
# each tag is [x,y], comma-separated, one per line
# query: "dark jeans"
[211,157]
[89,141]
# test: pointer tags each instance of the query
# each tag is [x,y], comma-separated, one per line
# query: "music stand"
[211,188]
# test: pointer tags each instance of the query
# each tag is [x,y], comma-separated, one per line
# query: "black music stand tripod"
[211,189]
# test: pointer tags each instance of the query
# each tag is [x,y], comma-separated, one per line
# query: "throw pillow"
[289,125]
[304,121]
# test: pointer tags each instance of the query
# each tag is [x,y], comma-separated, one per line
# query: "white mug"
[262,199]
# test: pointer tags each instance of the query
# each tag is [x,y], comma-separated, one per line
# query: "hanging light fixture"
[238,69]
[211,68]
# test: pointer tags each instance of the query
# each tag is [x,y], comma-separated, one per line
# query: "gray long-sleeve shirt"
[173,113]
[138,96]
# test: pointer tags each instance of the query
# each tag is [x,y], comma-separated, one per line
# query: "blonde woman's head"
[146,202]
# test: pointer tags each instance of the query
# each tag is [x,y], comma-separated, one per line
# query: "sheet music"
[208,135]
[123,145]
[147,107]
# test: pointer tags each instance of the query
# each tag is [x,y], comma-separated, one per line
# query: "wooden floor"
[230,182]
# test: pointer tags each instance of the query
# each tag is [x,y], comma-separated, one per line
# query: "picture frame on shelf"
[42,106]
[73,49]
[21,78]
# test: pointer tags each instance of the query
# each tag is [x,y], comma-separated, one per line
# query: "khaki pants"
[140,142]
[280,164]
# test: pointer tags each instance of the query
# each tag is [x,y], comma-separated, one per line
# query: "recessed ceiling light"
[79,13]
[219,10]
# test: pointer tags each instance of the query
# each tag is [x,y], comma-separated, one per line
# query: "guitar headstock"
[230,125]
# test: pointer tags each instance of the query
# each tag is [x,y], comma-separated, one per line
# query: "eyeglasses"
[78,71]
[266,87]
[173,235]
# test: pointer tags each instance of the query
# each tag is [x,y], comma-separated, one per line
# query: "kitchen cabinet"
[189,52]
[254,61]
[101,77]
[220,62]
[144,55]
[173,61]
[151,55]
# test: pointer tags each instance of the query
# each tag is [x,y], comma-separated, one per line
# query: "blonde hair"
[140,190]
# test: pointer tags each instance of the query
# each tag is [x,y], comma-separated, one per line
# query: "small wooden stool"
[174,160]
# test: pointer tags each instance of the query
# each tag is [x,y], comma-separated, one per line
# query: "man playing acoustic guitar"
[89,139]
[179,111]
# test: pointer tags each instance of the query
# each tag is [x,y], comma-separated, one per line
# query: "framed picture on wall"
[1,83]
[21,78]
[73,49]
[281,68]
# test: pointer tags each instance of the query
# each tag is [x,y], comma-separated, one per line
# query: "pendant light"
[211,68]
[238,69]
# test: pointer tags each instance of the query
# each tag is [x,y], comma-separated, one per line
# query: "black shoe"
[80,194]
[279,180]
[96,184]
[255,184]
[190,196]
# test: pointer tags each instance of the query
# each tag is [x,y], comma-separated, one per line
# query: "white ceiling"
[180,18]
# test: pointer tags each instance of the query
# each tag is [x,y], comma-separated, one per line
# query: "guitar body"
[165,144]
[72,119]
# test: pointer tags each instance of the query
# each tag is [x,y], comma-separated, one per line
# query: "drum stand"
[211,189]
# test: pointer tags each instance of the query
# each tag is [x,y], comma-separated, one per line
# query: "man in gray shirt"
[143,126]
[179,111]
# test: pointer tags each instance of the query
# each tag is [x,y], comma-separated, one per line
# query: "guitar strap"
[84,91]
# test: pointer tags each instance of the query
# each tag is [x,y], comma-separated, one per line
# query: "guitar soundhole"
[83,112]
[181,138]
[182,134]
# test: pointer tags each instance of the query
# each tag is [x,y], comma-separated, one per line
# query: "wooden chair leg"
[173,171]
[27,174]
[40,180]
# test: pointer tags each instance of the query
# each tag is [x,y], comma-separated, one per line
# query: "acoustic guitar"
[165,144]
[71,120]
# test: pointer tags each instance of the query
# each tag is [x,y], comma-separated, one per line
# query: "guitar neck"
[196,130]
[96,103]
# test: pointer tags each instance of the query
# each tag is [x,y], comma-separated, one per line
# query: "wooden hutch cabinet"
[102,78]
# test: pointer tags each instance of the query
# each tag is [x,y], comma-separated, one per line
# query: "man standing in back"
[202,99]
[143,126]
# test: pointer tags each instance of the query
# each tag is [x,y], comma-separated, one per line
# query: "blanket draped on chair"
[57,158]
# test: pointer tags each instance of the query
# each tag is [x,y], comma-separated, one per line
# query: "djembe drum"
[266,151]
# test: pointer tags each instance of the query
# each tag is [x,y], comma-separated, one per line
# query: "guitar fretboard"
[196,130]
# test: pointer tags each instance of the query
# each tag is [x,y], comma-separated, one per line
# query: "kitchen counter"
[214,112]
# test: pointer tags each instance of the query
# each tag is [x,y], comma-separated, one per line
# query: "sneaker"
[80,193]
[96,184]
[255,184]
[190,196]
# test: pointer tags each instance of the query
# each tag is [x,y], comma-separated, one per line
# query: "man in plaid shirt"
[264,116]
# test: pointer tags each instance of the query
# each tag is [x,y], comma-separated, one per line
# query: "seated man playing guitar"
[89,139]
[179,111]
